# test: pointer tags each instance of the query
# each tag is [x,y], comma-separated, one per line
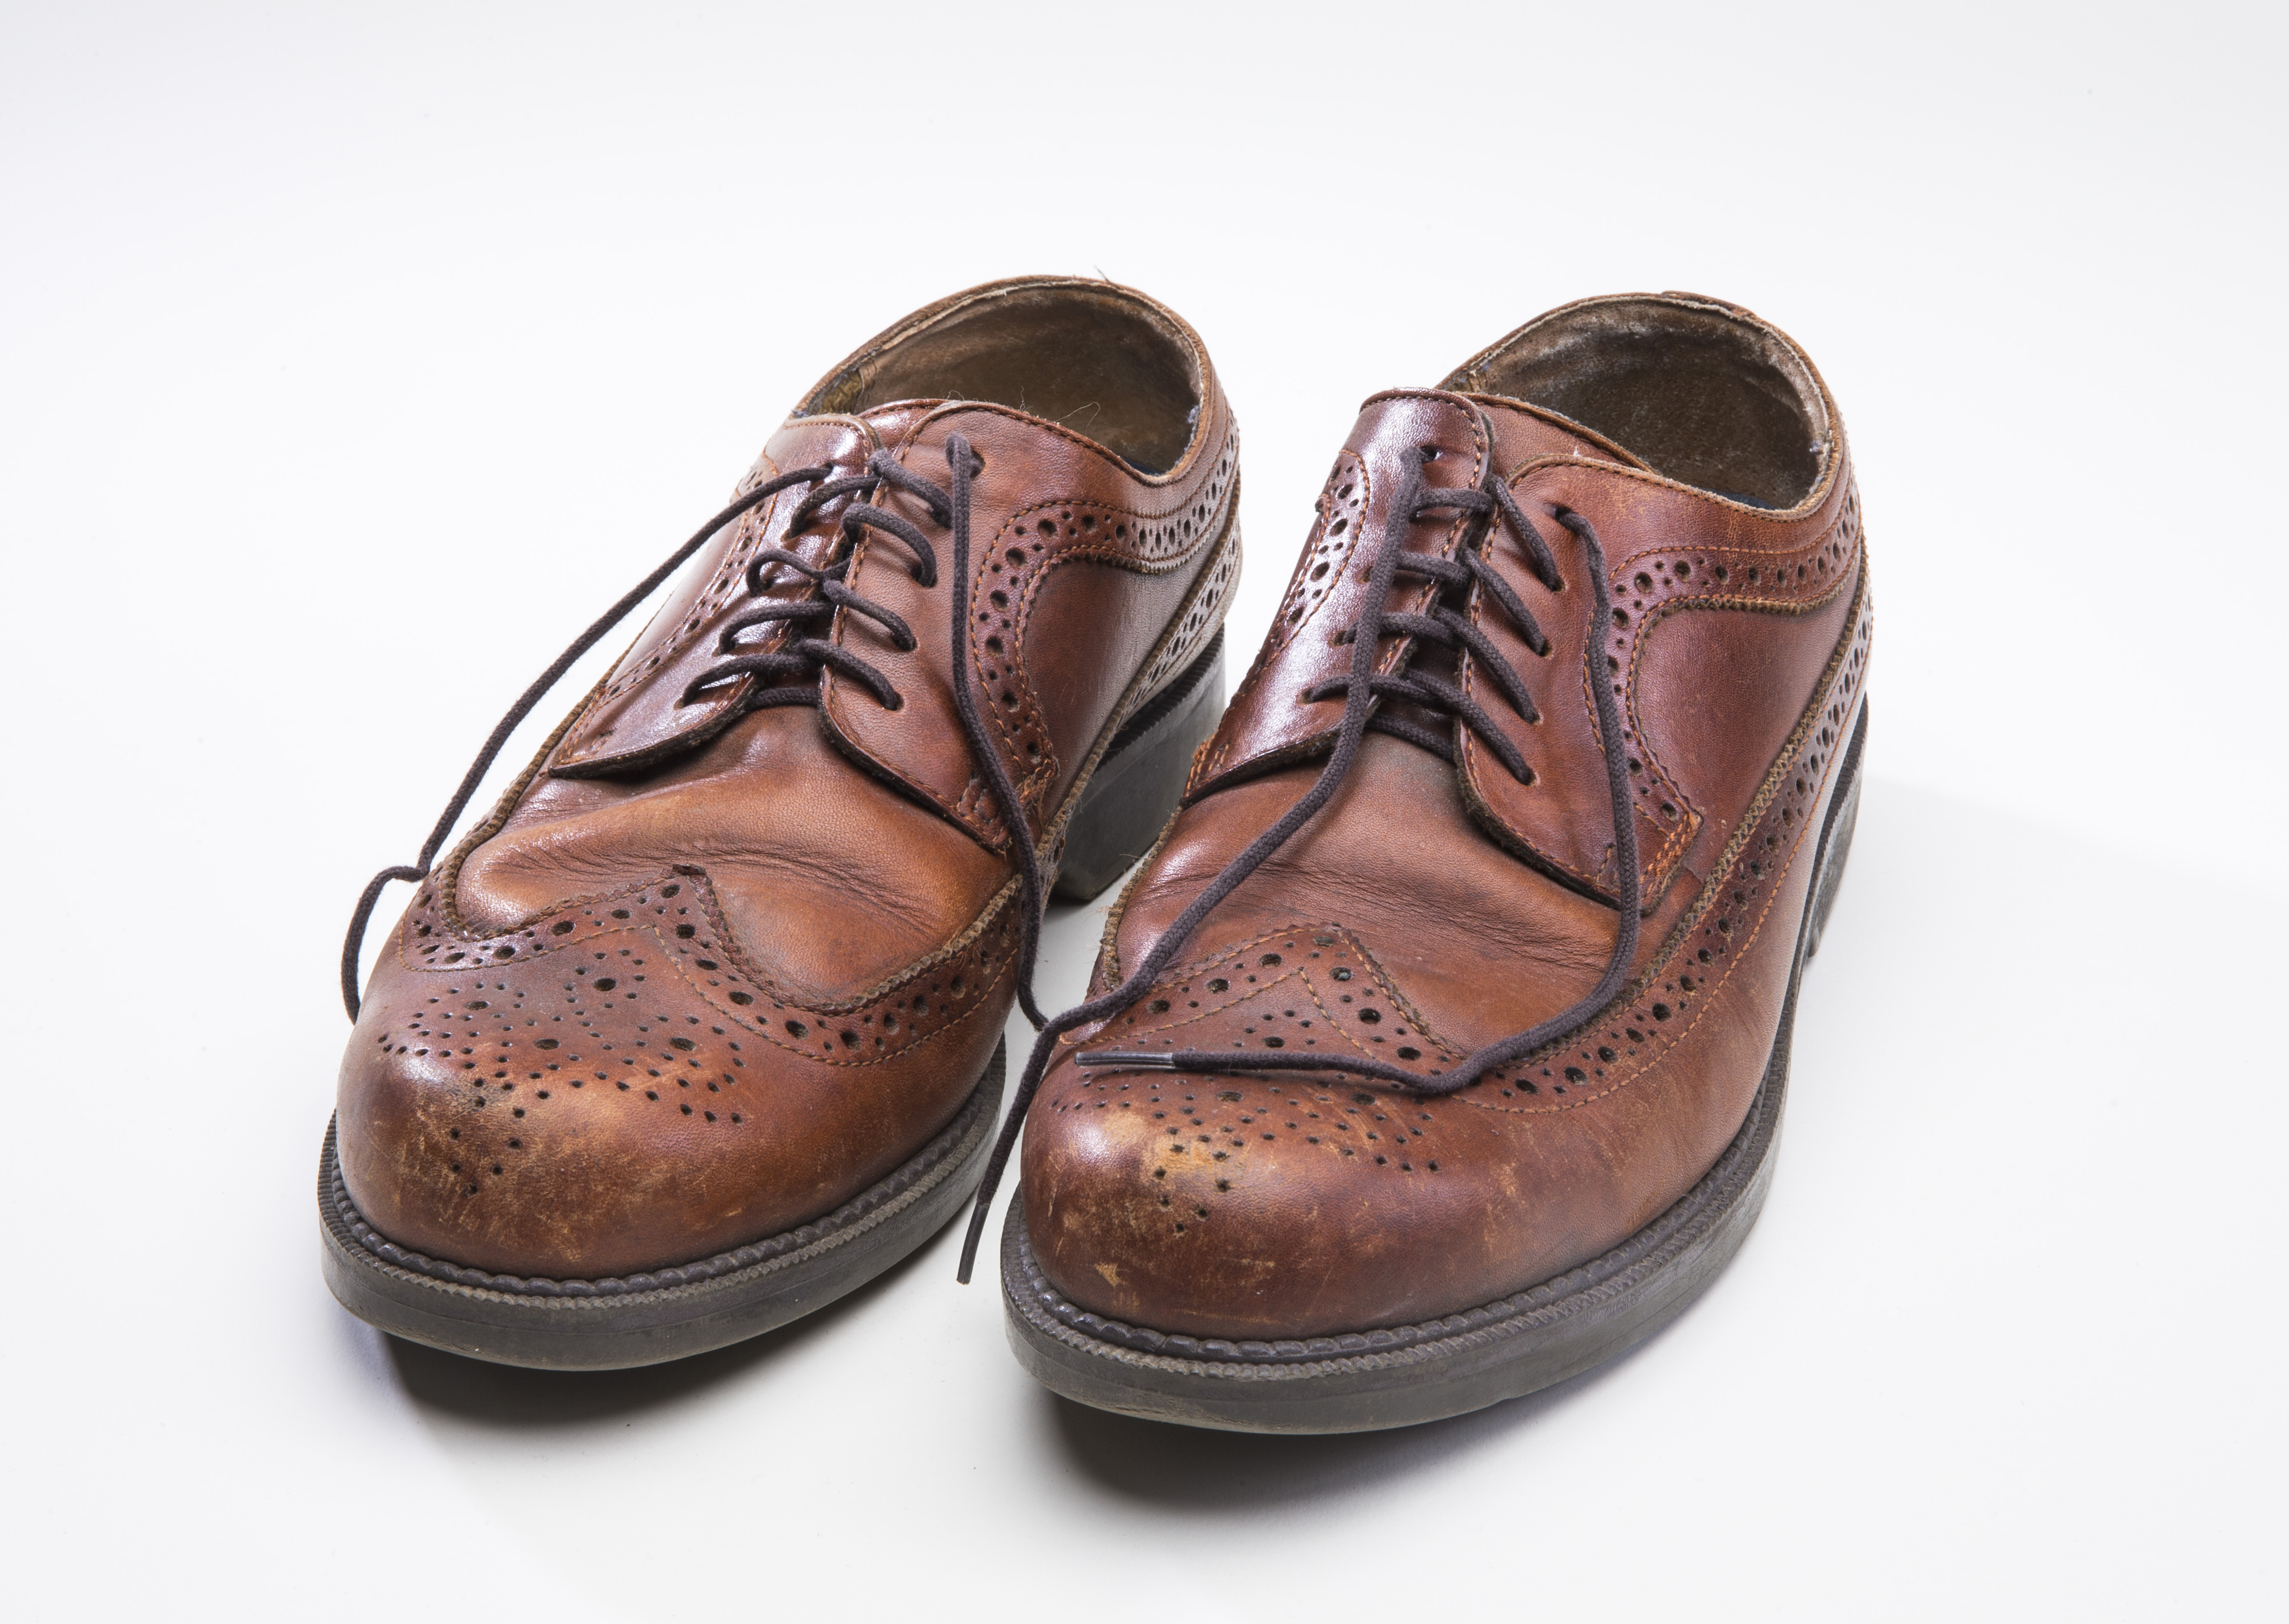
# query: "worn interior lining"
[1091,356]
[1705,396]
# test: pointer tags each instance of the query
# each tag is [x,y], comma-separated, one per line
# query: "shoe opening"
[1706,394]
[1106,363]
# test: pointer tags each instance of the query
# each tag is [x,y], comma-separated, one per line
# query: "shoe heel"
[1136,788]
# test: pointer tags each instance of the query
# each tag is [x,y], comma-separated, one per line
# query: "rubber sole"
[667,1312]
[1403,1375]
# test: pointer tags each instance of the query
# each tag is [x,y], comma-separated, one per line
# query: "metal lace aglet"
[1118,1057]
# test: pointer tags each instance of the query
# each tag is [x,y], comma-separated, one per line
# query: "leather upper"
[1432,907]
[707,972]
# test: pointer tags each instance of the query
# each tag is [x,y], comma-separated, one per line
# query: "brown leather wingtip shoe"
[701,1028]
[1437,1052]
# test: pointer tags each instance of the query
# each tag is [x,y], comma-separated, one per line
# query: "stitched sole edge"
[668,1312]
[1401,1376]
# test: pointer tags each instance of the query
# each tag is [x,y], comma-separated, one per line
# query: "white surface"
[353,360]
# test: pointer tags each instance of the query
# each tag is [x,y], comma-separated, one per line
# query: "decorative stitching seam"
[1674,842]
[992,964]
[1031,718]
[1834,683]
[1347,1351]
[960,810]
[1320,935]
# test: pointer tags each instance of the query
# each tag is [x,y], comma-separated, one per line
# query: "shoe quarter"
[1723,618]
[1079,564]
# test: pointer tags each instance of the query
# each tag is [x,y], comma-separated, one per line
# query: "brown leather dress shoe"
[1437,1051]
[701,1028]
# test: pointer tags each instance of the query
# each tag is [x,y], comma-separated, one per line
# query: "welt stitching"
[765,1248]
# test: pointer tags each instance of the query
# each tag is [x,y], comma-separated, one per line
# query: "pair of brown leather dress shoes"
[1435,1052]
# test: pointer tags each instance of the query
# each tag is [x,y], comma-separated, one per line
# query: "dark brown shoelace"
[1446,625]
[789,674]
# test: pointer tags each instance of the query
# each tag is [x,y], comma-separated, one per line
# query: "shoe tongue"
[1523,432]
[893,423]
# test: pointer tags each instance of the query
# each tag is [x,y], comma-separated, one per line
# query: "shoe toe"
[603,1093]
[1254,1207]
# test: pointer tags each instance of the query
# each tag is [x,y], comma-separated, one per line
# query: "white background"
[352,359]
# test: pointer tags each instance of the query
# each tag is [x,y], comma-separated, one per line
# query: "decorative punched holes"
[1733,911]
[1038,539]
[612,999]
[1650,586]
[1341,508]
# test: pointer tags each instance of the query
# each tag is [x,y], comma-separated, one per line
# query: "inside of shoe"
[1705,396]
[1091,356]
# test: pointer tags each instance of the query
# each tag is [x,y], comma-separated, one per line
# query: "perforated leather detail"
[1341,508]
[1044,537]
[1646,586]
[1649,586]
[591,991]
[1317,986]
[1306,987]
[1203,617]
[1689,973]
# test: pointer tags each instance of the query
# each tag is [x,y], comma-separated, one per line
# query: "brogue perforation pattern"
[1732,909]
[1650,586]
[1035,540]
[1335,991]
[592,961]
[1203,616]
[1341,507]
